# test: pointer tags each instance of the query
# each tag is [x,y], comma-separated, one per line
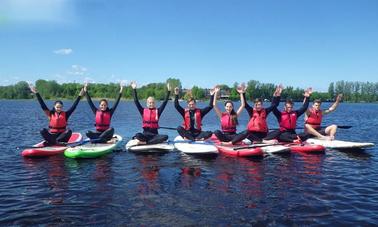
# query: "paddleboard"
[275,149]
[149,148]
[248,149]
[305,147]
[195,147]
[240,151]
[339,144]
[39,150]
[93,150]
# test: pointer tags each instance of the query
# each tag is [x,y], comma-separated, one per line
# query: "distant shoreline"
[181,100]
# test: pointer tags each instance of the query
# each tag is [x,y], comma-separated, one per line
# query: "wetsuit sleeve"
[42,103]
[114,107]
[73,107]
[93,107]
[137,103]
[207,109]
[178,107]
[162,106]
[274,104]
[304,107]
[248,107]
[277,113]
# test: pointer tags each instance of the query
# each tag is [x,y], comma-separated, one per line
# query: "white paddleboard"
[275,149]
[149,148]
[339,144]
[194,147]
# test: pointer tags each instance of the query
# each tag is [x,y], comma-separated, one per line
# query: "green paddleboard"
[93,150]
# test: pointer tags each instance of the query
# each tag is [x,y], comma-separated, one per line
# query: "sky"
[300,43]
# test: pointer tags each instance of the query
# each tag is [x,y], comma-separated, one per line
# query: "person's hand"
[216,89]
[278,90]
[308,92]
[121,85]
[85,86]
[339,97]
[176,90]
[168,87]
[133,85]
[241,88]
[32,88]
[212,91]
[82,92]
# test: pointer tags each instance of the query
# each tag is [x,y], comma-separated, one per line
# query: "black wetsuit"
[106,135]
[193,133]
[288,135]
[253,136]
[150,135]
[60,137]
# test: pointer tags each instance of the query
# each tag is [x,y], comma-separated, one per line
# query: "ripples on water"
[174,189]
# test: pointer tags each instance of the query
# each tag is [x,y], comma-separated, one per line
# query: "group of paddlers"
[256,131]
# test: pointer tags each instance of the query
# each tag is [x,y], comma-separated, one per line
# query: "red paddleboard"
[240,151]
[305,148]
[40,151]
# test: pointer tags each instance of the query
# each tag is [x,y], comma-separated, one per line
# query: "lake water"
[335,188]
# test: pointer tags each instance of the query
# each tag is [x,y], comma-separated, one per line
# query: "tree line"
[352,91]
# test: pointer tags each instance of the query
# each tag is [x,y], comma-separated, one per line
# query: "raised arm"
[40,100]
[334,105]
[276,99]
[177,104]
[217,111]
[114,107]
[306,102]
[277,113]
[135,96]
[207,109]
[247,106]
[93,107]
[241,91]
[74,105]
[162,106]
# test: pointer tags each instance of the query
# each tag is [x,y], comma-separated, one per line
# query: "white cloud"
[64,51]
[78,70]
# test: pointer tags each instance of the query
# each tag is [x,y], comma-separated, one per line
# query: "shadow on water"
[356,153]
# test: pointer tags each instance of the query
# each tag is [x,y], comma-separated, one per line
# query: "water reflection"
[338,187]
[51,169]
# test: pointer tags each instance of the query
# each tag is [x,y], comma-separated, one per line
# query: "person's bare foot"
[226,143]
[325,137]
[141,142]
[270,141]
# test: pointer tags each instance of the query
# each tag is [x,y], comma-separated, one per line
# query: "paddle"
[344,126]
[254,145]
[73,144]
[85,142]
[170,128]
[338,126]
[192,141]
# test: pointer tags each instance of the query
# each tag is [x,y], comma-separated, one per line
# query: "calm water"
[332,188]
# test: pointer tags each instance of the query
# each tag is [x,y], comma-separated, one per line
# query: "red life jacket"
[58,122]
[288,121]
[197,119]
[227,124]
[315,117]
[102,120]
[150,118]
[257,123]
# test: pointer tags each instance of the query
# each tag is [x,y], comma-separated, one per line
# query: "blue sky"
[202,42]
